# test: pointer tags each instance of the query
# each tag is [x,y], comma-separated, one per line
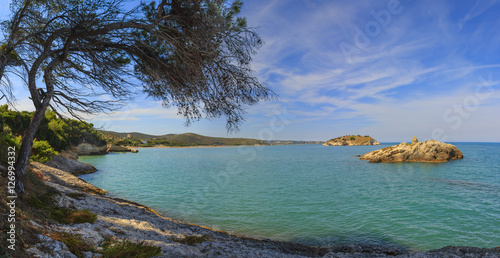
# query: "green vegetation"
[75,243]
[355,139]
[186,139]
[129,249]
[42,151]
[191,240]
[76,195]
[46,207]
[38,204]
[41,201]
[81,216]
[7,139]
[53,135]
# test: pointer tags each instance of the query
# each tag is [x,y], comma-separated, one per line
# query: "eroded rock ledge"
[118,148]
[428,151]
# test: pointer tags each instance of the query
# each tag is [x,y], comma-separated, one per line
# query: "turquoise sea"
[314,194]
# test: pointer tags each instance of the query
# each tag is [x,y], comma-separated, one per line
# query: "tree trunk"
[27,146]
[41,104]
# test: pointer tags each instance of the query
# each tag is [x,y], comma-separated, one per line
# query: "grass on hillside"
[129,249]
[38,205]
[186,139]
[356,139]
[191,240]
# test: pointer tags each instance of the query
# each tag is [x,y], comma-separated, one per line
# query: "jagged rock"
[461,251]
[428,151]
[414,140]
[74,167]
[90,149]
[50,248]
[87,232]
[351,140]
[90,255]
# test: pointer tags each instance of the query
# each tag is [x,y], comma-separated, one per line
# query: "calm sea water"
[314,194]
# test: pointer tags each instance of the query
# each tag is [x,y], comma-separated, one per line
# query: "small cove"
[315,195]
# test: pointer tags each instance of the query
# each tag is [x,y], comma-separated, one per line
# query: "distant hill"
[351,140]
[292,142]
[187,139]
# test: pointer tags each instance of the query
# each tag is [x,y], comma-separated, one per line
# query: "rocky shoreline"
[123,220]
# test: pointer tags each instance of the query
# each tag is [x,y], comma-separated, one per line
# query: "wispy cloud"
[479,8]
[426,58]
[419,63]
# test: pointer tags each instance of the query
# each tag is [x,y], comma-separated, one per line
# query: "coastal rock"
[428,151]
[118,148]
[460,251]
[50,248]
[69,154]
[74,167]
[86,231]
[90,149]
[57,176]
[414,140]
[351,140]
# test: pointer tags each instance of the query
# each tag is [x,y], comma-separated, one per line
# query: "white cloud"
[480,7]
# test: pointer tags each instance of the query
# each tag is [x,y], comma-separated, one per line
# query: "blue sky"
[390,69]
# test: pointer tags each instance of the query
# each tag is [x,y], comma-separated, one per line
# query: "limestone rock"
[69,154]
[86,231]
[414,140]
[74,167]
[66,179]
[351,140]
[90,149]
[428,151]
[50,248]
[117,148]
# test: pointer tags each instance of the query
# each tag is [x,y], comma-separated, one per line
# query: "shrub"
[45,206]
[129,249]
[42,151]
[75,243]
[8,140]
[191,240]
[81,216]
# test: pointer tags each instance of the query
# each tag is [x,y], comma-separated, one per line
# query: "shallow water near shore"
[315,195]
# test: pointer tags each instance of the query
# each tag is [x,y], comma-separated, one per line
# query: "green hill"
[351,140]
[185,139]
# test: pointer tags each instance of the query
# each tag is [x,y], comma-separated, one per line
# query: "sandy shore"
[120,220]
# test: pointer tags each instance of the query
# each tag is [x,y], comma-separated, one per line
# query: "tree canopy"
[93,55]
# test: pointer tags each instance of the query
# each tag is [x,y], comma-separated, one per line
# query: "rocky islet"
[428,151]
